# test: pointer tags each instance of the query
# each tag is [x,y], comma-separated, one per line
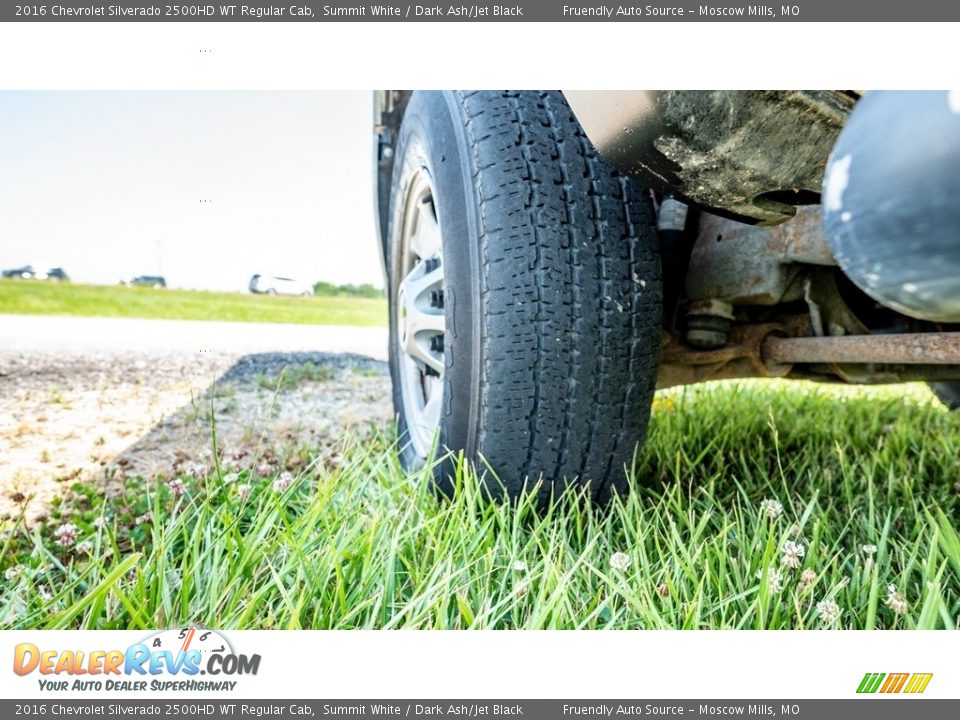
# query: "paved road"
[82,335]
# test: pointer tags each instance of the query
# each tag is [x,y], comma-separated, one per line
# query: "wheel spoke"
[421,329]
[431,411]
[431,231]
[420,282]
[420,322]
[425,242]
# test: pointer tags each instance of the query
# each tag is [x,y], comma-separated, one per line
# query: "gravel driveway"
[94,410]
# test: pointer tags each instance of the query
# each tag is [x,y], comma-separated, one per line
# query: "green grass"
[41,298]
[354,543]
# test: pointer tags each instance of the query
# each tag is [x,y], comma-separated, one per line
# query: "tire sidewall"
[431,138]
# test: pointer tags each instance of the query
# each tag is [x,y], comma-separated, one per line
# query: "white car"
[274,285]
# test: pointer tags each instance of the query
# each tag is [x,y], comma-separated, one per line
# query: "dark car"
[154,281]
[553,258]
[27,272]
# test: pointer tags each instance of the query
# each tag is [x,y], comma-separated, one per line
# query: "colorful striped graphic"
[894,683]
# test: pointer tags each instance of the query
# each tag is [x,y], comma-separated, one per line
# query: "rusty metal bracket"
[749,265]
[741,357]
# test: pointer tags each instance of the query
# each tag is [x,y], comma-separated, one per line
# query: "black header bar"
[524,11]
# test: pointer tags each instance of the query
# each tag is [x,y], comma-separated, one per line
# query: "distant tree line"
[349,290]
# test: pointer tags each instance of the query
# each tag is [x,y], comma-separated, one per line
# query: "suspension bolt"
[431,264]
[436,298]
[436,343]
[708,323]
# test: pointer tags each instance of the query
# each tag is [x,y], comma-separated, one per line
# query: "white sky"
[109,185]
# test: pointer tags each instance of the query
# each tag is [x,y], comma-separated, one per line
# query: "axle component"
[771,350]
[906,349]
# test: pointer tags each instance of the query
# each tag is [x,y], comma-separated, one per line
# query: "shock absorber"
[674,255]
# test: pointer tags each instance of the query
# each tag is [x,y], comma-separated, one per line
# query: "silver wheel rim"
[420,322]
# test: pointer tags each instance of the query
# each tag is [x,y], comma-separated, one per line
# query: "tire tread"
[570,293]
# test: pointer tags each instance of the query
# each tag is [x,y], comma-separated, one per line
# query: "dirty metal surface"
[750,265]
[749,154]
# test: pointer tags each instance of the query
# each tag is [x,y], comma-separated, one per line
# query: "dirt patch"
[100,418]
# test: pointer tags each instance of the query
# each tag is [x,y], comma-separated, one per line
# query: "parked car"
[552,259]
[154,281]
[27,272]
[274,285]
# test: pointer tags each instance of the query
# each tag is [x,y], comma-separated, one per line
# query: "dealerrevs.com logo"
[892,683]
[170,660]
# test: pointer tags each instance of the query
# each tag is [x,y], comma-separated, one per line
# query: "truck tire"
[948,392]
[525,296]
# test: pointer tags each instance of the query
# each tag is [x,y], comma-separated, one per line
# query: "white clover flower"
[230,478]
[793,554]
[283,482]
[868,550]
[774,580]
[808,577]
[66,534]
[620,561]
[264,469]
[771,508]
[177,487]
[243,492]
[829,611]
[520,566]
[197,470]
[100,522]
[85,547]
[44,593]
[896,600]
[14,572]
